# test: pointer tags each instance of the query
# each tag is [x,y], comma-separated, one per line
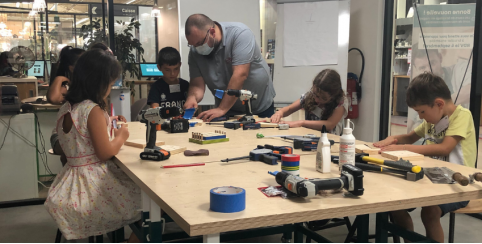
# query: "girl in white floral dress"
[91,195]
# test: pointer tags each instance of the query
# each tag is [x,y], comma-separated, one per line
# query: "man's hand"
[190,103]
[209,115]
[294,124]
[388,141]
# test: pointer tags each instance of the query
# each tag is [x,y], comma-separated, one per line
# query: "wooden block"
[173,149]
[141,143]
[268,125]
[240,116]
[366,149]
[208,141]
[199,122]
[406,155]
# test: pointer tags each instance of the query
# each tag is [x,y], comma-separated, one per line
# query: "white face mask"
[204,49]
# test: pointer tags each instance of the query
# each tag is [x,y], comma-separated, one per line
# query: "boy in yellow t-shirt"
[449,135]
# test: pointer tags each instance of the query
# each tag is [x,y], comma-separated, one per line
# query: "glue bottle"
[347,146]
[323,153]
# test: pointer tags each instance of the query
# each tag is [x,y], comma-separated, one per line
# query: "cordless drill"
[246,97]
[351,179]
[154,118]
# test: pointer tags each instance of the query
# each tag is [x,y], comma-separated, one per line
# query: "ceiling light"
[32,14]
[39,5]
[131,1]
[156,12]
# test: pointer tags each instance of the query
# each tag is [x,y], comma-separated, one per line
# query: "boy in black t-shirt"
[169,90]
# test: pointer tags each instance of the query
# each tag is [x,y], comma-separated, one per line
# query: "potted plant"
[125,43]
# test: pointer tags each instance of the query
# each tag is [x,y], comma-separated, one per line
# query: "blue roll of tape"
[227,199]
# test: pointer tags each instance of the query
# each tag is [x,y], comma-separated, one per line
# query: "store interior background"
[66,18]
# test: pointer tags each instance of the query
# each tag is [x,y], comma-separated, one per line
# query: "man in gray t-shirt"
[225,56]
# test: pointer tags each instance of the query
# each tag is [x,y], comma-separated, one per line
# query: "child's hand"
[123,132]
[118,118]
[388,141]
[294,124]
[276,118]
[121,118]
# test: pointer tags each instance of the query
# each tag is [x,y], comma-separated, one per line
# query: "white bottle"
[347,146]
[323,153]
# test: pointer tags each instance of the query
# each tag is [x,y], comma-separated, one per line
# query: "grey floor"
[34,224]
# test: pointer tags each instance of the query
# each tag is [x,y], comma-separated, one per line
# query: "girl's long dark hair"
[328,81]
[94,72]
[68,57]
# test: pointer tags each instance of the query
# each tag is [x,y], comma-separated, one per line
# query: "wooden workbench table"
[183,193]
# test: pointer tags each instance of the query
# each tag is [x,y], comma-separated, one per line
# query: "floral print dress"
[89,197]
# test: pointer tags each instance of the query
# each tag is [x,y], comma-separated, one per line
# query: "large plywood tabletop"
[183,193]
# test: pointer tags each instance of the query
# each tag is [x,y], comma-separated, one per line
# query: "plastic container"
[323,153]
[347,146]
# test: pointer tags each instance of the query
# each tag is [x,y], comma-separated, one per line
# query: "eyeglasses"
[207,33]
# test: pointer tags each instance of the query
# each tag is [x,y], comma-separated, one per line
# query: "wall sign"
[95,9]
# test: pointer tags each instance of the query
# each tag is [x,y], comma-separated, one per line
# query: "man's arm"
[154,105]
[240,73]
[197,88]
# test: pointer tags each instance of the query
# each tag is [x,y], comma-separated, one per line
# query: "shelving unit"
[399,105]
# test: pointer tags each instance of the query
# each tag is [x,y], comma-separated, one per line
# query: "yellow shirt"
[460,124]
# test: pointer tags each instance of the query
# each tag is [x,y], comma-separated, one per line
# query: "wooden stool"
[474,206]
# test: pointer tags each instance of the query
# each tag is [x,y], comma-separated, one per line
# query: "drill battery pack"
[158,155]
[176,126]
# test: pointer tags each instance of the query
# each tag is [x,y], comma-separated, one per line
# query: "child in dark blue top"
[169,90]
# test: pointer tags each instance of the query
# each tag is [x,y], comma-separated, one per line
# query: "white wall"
[366,33]
[245,11]
[168,26]
[284,77]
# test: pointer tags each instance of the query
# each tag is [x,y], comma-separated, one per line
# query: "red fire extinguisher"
[353,89]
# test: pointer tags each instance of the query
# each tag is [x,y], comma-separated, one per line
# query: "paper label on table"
[174,88]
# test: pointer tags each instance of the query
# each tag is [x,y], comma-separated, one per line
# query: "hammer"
[400,164]
[410,176]
[475,177]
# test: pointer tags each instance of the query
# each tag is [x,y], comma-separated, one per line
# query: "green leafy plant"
[126,46]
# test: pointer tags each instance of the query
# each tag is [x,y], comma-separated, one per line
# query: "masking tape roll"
[227,199]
